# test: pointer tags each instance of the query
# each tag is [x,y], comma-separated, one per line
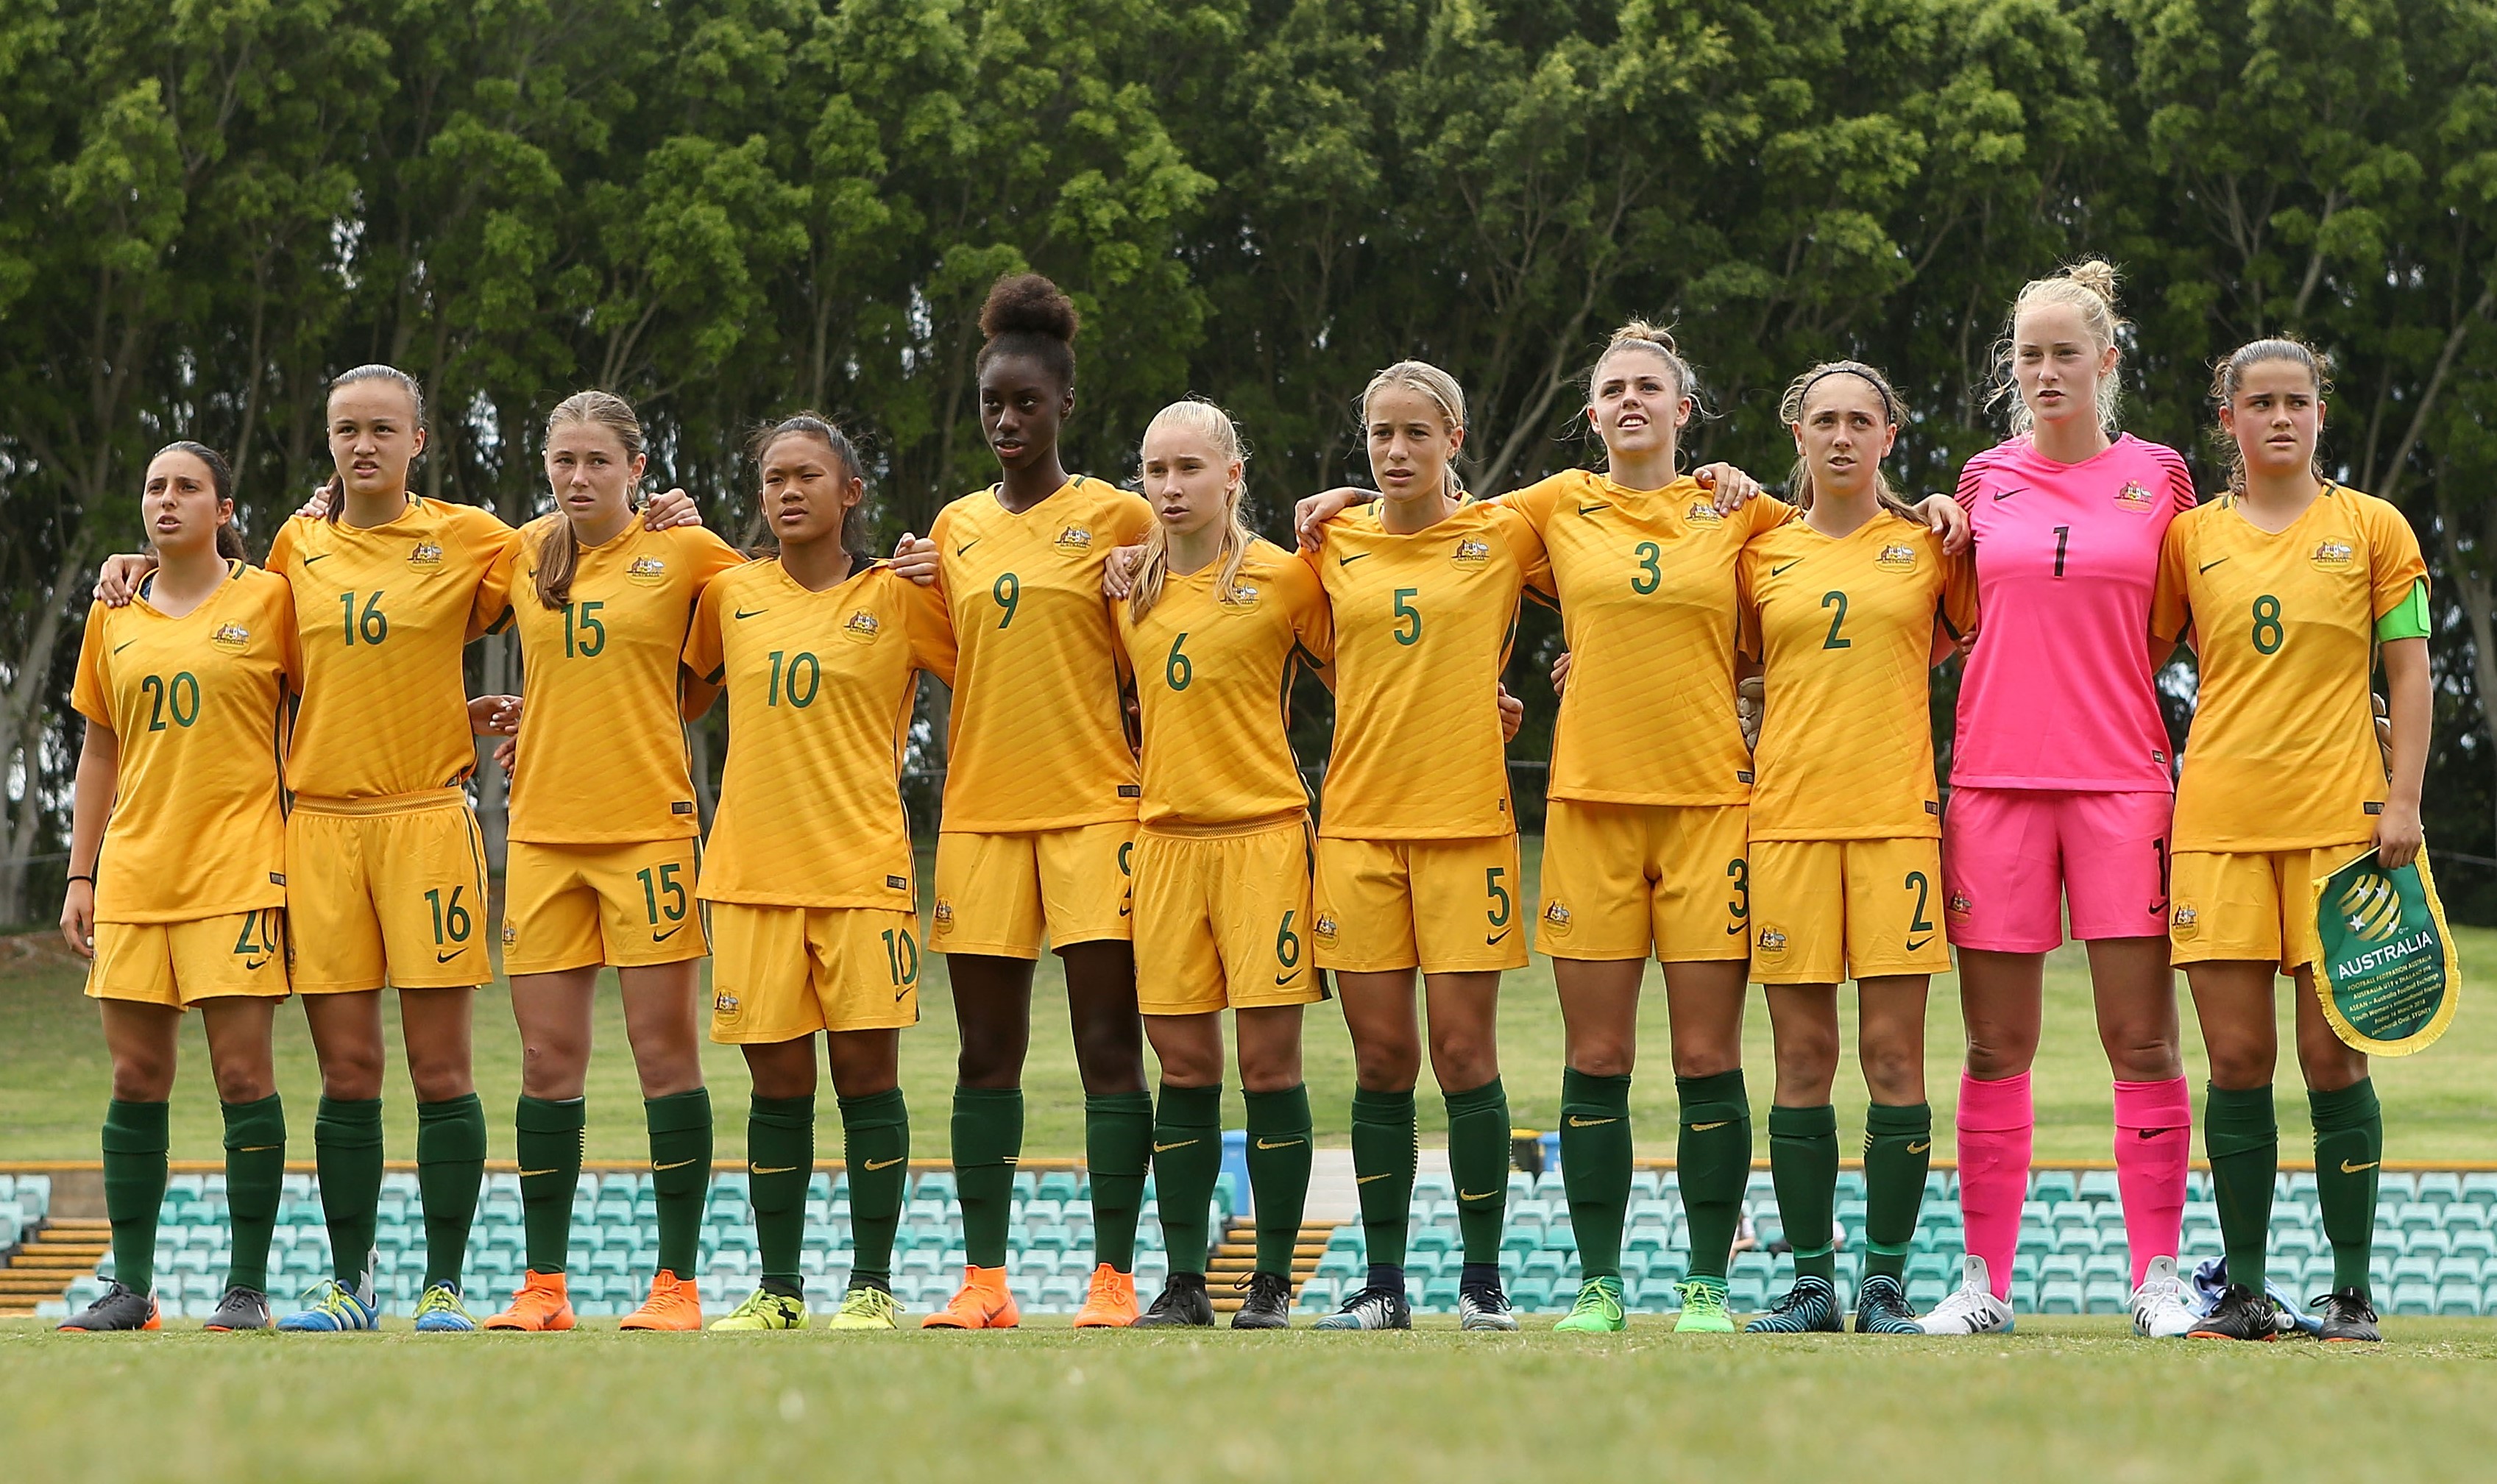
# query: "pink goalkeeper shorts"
[2013,858]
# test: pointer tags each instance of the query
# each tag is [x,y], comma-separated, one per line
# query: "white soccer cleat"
[1971,1309]
[2160,1309]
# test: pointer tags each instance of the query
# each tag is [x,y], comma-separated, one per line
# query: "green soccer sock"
[255,1175]
[549,1150]
[1714,1153]
[1803,1163]
[876,1142]
[988,1140]
[1117,1148]
[450,1171]
[2243,1143]
[680,1141]
[1898,1151]
[1188,1155]
[1478,1162]
[2349,1152]
[135,1140]
[1385,1153]
[1279,1170]
[347,1152]
[1596,1166]
[779,1156]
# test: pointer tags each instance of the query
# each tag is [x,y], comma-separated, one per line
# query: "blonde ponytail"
[2089,287]
[1202,418]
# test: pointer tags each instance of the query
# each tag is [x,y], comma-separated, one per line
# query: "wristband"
[88,879]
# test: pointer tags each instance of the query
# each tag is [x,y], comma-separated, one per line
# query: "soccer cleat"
[1881,1307]
[864,1307]
[1268,1303]
[120,1308]
[543,1306]
[984,1301]
[240,1309]
[1598,1311]
[1970,1309]
[1484,1309]
[2348,1317]
[440,1310]
[1183,1305]
[672,1305]
[331,1307]
[2160,1309]
[1703,1307]
[1809,1308]
[1111,1303]
[2242,1313]
[764,1310]
[1372,1308]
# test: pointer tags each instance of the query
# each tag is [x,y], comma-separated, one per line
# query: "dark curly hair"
[1028,315]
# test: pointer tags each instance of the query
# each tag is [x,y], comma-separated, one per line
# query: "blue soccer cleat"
[331,1307]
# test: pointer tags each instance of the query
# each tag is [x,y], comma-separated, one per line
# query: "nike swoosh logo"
[2149,1133]
[534,1174]
[678,1165]
[124,644]
[252,963]
[778,1169]
[752,613]
[661,937]
[2004,494]
[1576,1122]
[1124,909]
[1363,1180]
[1702,1128]
[1917,945]
[2208,566]
[309,560]
[1774,571]
[1283,979]
[1588,510]
[1346,561]
[1921,1149]
[1164,1149]
[1493,941]
[2346,1168]
[445,957]
[1480,1195]
[1285,1144]
[884,1164]
[968,544]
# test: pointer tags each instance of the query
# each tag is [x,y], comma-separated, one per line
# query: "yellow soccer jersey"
[602,746]
[198,704]
[1648,607]
[1844,627]
[1039,739]
[2282,753]
[1213,680]
[820,687]
[1422,628]
[382,613]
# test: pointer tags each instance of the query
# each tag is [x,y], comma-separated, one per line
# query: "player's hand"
[666,511]
[1948,519]
[915,557]
[1118,572]
[1318,509]
[1747,693]
[77,917]
[506,754]
[317,506]
[117,580]
[494,716]
[1734,488]
[1560,673]
[2399,835]
[1512,715]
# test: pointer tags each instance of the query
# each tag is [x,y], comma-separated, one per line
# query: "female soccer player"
[603,829]
[813,903]
[2061,794]
[184,694]
[1215,629]
[2283,585]
[1844,610]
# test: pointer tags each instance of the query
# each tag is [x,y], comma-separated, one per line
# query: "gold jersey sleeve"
[1039,739]
[1646,581]
[198,706]
[820,689]
[1214,685]
[1423,625]
[1845,630]
[2283,755]
[382,613]
[602,748]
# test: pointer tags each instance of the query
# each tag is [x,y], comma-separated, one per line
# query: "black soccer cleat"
[2242,1313]
[1881,1307]
[2347,1316]
[122,1307]
[1269,1304]
[240,1309]
[1183,1305]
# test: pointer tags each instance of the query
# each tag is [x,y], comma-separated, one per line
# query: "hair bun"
[1641,329]
[2096,274]
[1027,304]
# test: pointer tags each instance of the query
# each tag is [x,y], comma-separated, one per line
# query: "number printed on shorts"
[1494,887]
[371,624]
[1739,905]
[179,695]
[660,883]
[2267,633]
[900,960]
[1919,922]
[452,923]
[1651,571]
[1287,944]
[259,937]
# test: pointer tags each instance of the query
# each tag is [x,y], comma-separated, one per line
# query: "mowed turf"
[54,1079]
[2079,1400]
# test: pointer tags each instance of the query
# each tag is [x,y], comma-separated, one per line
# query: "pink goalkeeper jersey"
[2058,694]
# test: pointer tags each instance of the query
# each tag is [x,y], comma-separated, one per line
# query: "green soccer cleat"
[1703,1307]
[864,1308]
[766,1310]
[1598,1311]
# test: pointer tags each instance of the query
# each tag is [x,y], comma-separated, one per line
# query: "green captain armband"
[2408,619]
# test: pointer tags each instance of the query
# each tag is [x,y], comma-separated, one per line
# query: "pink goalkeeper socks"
[1995,1124]
[2154,1137]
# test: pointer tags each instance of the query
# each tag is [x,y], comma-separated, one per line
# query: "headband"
[1889,407]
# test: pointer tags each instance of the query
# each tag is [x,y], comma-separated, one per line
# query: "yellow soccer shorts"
[1445,906]
[1222,921]
[1009,894]
[178,964]
[625,906]
[780,973]
[389,890]
[1620,880]
[1826,911]
[2250,905]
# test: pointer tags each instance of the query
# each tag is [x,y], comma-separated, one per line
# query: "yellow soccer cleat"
[764,1310]
[865,1308]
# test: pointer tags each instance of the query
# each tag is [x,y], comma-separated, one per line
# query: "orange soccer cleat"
[1112,1303]
[672,1305]
[543,1304]
[984,1302]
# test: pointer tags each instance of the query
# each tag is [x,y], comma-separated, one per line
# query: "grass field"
[53,1073]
